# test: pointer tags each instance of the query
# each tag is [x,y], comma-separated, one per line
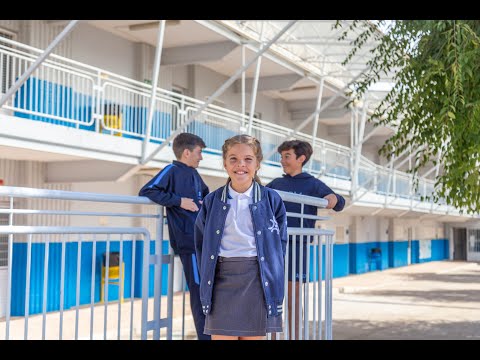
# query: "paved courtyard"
[436,300]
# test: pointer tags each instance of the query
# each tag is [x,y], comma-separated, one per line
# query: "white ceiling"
[186,32]
[319,36]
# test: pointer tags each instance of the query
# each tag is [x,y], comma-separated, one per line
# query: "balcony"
[77,111]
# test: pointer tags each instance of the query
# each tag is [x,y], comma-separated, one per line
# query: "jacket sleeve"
[159,189]
[323,190]
[281,217]
[205,190]
[340,204]
[198,234]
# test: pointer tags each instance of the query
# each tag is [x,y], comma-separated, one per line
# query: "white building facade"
[79,123]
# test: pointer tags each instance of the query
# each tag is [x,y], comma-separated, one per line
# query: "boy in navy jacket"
[294,155]
[181,190]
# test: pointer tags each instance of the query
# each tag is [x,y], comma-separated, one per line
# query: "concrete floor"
[435,300]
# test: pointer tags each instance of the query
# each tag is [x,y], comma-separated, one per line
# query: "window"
[177,100]
[256,115]
[178,89]
[474,240]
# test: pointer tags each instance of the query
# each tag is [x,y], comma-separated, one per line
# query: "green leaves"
[436,94]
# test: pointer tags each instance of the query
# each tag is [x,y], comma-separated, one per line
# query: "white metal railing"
[315,307]
[65,92]
[315,314]
[64,278]
[34,237]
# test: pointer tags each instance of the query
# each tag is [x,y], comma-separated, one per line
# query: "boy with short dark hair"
[181,190]
[294,155]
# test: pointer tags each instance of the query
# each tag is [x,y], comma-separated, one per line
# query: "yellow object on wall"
[112,119]
[113,279]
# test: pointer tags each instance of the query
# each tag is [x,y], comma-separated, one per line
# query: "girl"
[240,241]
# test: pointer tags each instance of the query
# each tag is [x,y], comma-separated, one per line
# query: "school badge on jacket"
[274,226]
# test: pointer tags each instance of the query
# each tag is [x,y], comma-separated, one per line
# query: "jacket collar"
[181,164]
[302,175]
[256,192]
[232,193]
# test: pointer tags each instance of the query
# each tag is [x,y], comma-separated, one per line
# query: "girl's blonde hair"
[247,140]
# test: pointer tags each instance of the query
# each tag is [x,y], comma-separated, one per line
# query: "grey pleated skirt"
[238,303]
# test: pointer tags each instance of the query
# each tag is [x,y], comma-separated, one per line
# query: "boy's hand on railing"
[332,201]
[188,204]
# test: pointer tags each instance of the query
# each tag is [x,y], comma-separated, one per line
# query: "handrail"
[35,242]
[24,192]
[168,98]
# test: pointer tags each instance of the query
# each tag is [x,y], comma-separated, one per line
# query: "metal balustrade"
[54,273]
[68,93]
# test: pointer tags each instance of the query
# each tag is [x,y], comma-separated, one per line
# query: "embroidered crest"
[274,226]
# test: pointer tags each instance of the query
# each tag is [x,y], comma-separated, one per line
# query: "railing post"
[170,293]
[158,283]
[97,102]
[9,275]
[328,288]
[145,286]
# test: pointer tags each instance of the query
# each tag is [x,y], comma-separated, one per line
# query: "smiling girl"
[240,241]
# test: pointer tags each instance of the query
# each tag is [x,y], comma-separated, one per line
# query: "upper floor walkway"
[70,110]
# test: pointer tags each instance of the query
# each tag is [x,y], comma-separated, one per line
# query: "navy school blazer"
[269,221]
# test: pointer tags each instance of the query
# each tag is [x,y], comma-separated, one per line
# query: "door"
[459,244]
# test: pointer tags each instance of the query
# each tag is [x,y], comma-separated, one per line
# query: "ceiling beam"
[193,54]
[275,82]
[151,25]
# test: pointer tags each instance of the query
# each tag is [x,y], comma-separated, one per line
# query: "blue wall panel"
[362,259]
[138,274]
[135,120]
[340,261]
[399,250]
[347,259]
[439,250]
[54,99]
[19,269]
[415,252]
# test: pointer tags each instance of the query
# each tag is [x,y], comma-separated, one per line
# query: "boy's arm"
[158,189]
[335,201]
[340,201]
